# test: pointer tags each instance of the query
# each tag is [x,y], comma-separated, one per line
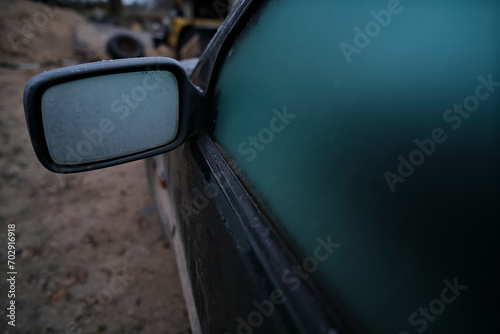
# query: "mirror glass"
[109,116]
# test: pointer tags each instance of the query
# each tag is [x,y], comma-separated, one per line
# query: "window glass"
[373,127]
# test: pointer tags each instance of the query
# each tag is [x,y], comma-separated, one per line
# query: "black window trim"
[307,305]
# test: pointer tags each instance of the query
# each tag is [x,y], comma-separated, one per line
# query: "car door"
[346,174]
[226,247]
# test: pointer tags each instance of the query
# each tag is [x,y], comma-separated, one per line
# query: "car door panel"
[225,273]
[241,203]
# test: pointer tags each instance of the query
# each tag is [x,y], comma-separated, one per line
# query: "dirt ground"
[90,254]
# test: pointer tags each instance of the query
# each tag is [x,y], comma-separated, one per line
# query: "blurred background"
[90,255]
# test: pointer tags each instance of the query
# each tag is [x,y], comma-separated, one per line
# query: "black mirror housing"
[189,106]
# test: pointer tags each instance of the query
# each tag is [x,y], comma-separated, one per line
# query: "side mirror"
[101,114]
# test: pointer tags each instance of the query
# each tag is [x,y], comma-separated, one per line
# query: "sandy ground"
[90,257]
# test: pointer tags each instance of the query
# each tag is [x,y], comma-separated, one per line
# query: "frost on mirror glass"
[103,117]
